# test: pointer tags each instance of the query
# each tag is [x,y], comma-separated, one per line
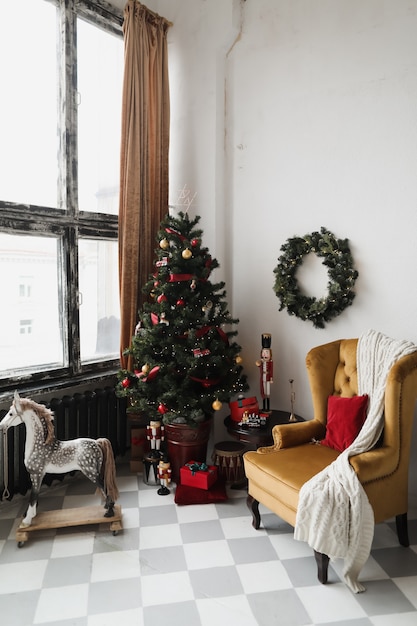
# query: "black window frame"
[69,224]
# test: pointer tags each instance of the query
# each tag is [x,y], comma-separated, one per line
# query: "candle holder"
[292,417]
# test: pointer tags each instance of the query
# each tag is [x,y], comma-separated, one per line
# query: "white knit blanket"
[334,515]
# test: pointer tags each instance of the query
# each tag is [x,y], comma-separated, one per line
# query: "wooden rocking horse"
[44,453]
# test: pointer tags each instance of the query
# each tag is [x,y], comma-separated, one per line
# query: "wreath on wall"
[341,272]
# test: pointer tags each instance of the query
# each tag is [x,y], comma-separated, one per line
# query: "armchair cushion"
[345,418]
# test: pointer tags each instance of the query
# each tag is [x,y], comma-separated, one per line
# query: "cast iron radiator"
[94,414]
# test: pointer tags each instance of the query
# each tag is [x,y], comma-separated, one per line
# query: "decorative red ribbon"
[206,382]
[205,329]
[172,231]
[174,278]
[152,374]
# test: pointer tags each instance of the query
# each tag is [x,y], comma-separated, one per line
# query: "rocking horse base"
[65,518]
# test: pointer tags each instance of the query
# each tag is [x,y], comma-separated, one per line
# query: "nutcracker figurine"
[265,365]
[155,434]
[164,474]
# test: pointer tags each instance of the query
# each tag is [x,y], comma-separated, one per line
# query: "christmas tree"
[186,361]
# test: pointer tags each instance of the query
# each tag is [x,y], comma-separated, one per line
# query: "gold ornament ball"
[238,359]
[187,254]
[164,244]
[145,368]
[217,405]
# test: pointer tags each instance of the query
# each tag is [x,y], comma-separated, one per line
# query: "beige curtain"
[144,157]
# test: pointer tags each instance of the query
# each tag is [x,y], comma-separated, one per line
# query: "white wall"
[289,115]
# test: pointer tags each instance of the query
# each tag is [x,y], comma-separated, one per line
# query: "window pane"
[30,329]
[28,120]
[99,299]
[100,73]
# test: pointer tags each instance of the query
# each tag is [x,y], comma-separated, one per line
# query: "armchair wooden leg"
[322,561]
[402,529]
[253,506]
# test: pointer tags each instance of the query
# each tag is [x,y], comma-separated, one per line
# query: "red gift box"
[243,405]
[198,475]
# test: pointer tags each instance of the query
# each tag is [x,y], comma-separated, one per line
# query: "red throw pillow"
[345,418]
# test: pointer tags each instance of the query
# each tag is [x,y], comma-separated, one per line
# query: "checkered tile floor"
[195,565]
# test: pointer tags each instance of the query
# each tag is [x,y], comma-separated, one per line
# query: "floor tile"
[70,543]
[264,576]
[68,570]
[115,565]
[408,586]
[162,560]
[281,608]
[166,588]
[158,536]
[201,531]
[231,610]
[114,596]
[24,576]
[132,617]
[208,554]
[215,582]
[397,561]
[383,597]
[163,515]
[251,549]
[326,603]
[18,608]
[178,614]
[62,603]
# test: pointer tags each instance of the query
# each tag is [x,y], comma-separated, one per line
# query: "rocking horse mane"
[44,414]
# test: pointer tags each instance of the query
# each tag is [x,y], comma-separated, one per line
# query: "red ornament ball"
[195,242]
[180,302]
[125,383]
[162,409]
[161,298]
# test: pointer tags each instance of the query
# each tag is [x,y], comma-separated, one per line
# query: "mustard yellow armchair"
[276,473]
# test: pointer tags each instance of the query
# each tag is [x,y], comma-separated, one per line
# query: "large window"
[62,65]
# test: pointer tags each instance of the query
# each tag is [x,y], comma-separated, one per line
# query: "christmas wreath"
[341,272]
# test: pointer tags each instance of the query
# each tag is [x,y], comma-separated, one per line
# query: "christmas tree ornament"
[193,285]
[186,254]
[145,368]
[195,242]
[164,320]
[180,302]
[161,298]
[217,405]
[238,360]
[164,244]
[125,383]
[162,408]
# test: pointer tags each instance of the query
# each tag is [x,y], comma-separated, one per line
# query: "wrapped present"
[200,475]
[243,405]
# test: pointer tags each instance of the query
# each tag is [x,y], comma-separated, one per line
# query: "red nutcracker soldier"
[155,434]
[266,366]
[164,475]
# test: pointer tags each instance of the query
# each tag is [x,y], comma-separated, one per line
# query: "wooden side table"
[259,436]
